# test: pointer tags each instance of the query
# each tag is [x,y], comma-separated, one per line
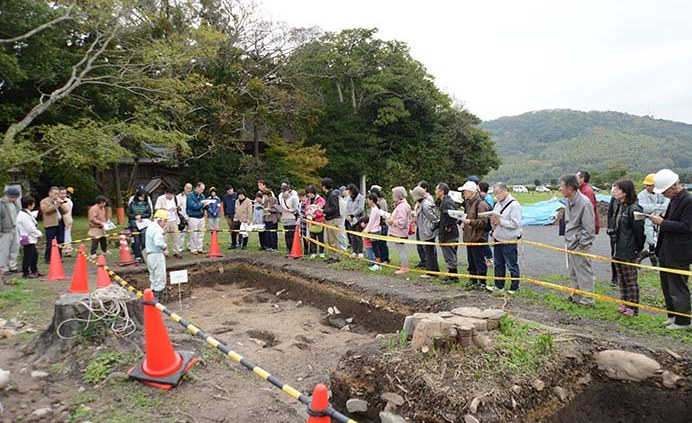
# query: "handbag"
[316,229]
[24,240]
[412,227]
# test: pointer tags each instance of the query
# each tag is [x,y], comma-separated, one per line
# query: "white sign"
[178,276]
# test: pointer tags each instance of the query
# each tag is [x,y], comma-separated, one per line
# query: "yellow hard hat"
[70,190]
[161,214]
[649,180]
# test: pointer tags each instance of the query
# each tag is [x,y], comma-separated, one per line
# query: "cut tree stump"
[71,309]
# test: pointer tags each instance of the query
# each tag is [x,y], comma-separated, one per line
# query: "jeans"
[318,237]
[271,238]
[507,257]
[288,236]
[233,226]
[477,265]
[57,232]
[138,242]
[431,257]
[355,241]
[384,248]
[421,252]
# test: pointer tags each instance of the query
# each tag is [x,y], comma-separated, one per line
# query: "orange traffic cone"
[318,405]
[125,256]
[80,281]
[162,366]
[214,250]
[296,248]
[103,279]
[55,270]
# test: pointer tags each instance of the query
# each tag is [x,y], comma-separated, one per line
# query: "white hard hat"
[469,186]
[664,179]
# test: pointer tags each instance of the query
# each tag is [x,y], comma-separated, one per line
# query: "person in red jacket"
[583,177]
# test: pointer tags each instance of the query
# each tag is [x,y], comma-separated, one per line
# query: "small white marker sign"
[178,276]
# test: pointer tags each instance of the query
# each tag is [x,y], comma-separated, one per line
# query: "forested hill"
[548,143]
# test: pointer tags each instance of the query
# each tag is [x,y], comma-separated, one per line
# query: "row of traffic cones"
[80,279]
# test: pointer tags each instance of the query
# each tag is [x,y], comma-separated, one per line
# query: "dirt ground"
[273,311]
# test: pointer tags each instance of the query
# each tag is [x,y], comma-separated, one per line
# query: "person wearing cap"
[474,231]
[9,244]
[156,249]
[67,220]
[651,202]
[674,248]
[52,209]
[214,209]
[427,225]
[139,208]
[580,231]
[229,199]
[97,222]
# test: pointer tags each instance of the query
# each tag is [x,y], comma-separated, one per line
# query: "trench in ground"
[249,291]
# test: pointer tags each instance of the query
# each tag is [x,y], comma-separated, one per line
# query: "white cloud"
[508,57]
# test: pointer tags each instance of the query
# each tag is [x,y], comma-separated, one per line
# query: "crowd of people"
[655,224]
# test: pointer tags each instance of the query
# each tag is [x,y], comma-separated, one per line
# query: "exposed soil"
[274,311]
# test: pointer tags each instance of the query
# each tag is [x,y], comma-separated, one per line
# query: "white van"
[519,188]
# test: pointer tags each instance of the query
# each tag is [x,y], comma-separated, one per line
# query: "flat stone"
[560,393]
[42,412]
[389,417]
[39,374]
[470,419]
[585,380]
[357,405]
[476,313]
[515,389]
[335,321]
[670,379]
[624,365]
[4,378]
[538,385]
[393,398]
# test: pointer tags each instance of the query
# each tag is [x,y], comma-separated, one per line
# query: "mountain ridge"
[545,144]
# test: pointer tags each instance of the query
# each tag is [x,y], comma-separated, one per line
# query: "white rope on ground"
[106,303]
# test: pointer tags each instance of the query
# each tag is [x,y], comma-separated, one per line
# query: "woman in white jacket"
[28,234]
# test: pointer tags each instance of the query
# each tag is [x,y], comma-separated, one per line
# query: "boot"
[158,296]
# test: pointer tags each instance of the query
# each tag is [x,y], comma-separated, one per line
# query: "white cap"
[664,179]
[469,186]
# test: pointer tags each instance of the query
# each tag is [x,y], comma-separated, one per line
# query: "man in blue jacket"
[195,211]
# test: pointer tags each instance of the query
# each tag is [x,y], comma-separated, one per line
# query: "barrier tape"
[550,285]
[199,333]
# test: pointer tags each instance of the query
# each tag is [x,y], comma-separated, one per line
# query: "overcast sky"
[505,58]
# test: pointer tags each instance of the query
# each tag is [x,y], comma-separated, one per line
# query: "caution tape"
[534,281]
[199,333]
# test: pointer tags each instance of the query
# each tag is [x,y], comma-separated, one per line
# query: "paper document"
[640,215]
[456,214]
[490,214]
[109,226]
[208,201]
[143,224]
[456,196]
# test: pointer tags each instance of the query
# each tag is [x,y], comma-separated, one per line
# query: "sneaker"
[628,312]
[490,288]
[32,276]
[614,283]
[426,276]
[375,267]
[490,262]
[675,326]
[471,284]
[313,256]
[623,307]
[194,252]
[668,321]
[360,255]
[401,271]
[321,255]
[512,292]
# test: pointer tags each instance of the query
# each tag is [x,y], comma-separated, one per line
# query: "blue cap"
[474,178]
[12,192]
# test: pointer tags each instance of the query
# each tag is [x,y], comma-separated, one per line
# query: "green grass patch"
[519,347]
[646,322]
[28,300]
[101,366]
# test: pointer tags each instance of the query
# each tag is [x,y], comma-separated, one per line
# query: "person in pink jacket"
[399,224]
[374,227]
[314,210]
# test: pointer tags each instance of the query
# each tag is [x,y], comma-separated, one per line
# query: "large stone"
[425,334]
[470,419]
[624,365]
[389,417]
[42,412]
[4,378]
[476,313]
[357,405]
[39,374]
[670,379]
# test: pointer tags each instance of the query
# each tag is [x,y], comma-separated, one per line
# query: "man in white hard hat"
[651,202]
[156,248]
[674,247]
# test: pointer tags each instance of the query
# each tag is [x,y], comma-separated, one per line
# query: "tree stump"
[77,324]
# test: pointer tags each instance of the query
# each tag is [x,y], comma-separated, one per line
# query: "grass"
[28,300]
[534,197]
[519,347]
[101,366]
[646,322]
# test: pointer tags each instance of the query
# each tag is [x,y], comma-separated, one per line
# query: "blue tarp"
[545,212]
